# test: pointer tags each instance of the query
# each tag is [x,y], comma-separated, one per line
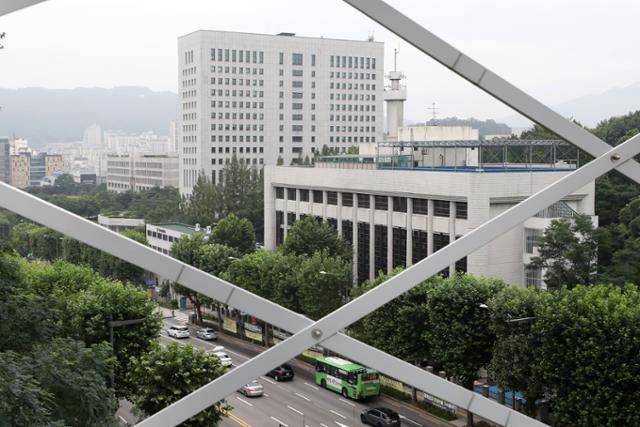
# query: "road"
[295,403]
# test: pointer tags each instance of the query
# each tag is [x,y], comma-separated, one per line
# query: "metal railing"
[326,330]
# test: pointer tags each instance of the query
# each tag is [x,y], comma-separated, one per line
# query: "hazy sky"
[555,50]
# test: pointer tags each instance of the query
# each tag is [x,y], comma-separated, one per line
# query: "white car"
[253,389]
[206,334]
[178,331]
[225,360]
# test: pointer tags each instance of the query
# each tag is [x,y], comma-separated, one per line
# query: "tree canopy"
[309,235]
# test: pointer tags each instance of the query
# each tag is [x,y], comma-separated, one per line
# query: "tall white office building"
[273,98]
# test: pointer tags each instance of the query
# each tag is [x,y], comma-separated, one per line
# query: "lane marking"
[338,414]
[244,401]
[295,410]
[303,396]
[266,395]
[312,386]
[340,424]
[410,420]
[347,402]
[268,380]
[279,422]
[123,419]
[238,420]
[323,425]
[236,354]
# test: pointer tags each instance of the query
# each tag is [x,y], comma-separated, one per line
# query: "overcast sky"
[555,50]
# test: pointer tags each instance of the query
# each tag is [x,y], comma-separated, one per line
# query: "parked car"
[382,417]
[282,372]
[252,389]
[178,331]
[206,334]
[225,360]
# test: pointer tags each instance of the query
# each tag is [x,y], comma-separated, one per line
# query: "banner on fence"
[253,332]
[390,382]
[230,325]
[441,403]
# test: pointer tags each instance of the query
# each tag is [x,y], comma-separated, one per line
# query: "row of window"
[238,104]
[239,55]
[237,127]
[399,204]
[354,76]
[241,160]
[352,86]
[237,82]
[238,93]
[352,139]
[240,149]
[237,138]
[161,236]
[352,128]
[297,59]
[338,61]
[239,70]
[348,107]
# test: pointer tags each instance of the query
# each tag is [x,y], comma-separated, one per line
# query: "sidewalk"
[179,316]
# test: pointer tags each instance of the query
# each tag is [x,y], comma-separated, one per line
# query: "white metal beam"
[349,313]
[8,6]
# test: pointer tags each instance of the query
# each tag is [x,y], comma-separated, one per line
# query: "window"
[296,83]
[296,128]
[296,95]
[281,59]
[461,210]
[279,193]
[291,193]
[420,206]
[533,278]
[296,59]
[296,117]
[363,200]
[532,239]
[297,73]
[332,198]
[304,195]
[313,60]
[441,208]
[381,203]
[399,204]
[347,199]
[296,106]
[317,196]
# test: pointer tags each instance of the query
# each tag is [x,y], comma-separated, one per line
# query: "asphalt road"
[299,402]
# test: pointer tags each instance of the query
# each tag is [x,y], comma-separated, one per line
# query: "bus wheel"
[323,384]
[344,392]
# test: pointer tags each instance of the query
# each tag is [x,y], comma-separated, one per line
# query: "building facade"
[20,170]
[141,172]
[273,98]
[398,217]
[162,236]
[5,160]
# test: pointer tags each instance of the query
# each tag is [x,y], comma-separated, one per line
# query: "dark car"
[282,372]
[380,417]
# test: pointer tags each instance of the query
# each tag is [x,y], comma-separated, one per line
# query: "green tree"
[188,368]
[310,235]
[460,332]
[588,349]
[236,233]
[515,361]
[321,293]
[201,206]
[89,312]
[65,183]
[187,249]
[118,269]
[76,377]
[568,252]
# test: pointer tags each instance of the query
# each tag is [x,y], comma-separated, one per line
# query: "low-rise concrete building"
[141,172]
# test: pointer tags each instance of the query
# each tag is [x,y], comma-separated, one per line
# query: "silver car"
[178,331]
[206,334]
[253,389]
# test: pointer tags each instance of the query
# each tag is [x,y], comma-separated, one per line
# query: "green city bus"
[348,378]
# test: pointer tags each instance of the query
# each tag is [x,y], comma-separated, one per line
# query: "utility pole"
[434,112]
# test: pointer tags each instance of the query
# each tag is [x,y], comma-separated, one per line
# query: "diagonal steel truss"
[325,331]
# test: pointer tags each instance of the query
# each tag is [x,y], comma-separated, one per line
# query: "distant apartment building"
[5,160]
[397,209]
[141,172]
[42,165]
[273,98]
[20,170]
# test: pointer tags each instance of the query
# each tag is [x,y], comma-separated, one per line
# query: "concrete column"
[324,206]
[389,234]
[286,211]
[429,227]
[452,232]
[297,204]
[409,220]
[269,211]
[372,235]
[354,221]
[478,212]
[339,213]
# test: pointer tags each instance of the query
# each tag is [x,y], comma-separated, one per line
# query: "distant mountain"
[61,115]
[485,127]
[589,110]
